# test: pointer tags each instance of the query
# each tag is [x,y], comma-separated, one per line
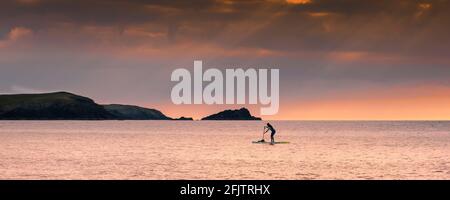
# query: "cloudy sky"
[341,59]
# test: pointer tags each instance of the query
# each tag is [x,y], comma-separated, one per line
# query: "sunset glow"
[299,1]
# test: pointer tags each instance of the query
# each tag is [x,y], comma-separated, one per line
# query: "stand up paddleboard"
[265,142]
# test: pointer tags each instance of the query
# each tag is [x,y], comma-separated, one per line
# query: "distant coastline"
[68,106]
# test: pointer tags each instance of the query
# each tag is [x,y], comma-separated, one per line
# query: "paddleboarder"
[272,130]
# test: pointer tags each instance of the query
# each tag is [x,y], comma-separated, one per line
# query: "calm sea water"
[223,150]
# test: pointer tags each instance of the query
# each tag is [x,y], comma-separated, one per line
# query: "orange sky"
[410,103]
[338,60]
[421,103]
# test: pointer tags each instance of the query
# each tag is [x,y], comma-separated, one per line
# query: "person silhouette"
[272,130]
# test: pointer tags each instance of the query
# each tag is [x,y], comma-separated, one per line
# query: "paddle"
[264,132]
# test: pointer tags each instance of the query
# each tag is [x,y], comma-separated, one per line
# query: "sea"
[224,150]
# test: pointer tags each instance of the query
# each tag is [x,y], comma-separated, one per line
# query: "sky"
[338,59]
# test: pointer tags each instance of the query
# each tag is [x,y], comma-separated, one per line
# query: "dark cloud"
[406,27]
[324,25]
